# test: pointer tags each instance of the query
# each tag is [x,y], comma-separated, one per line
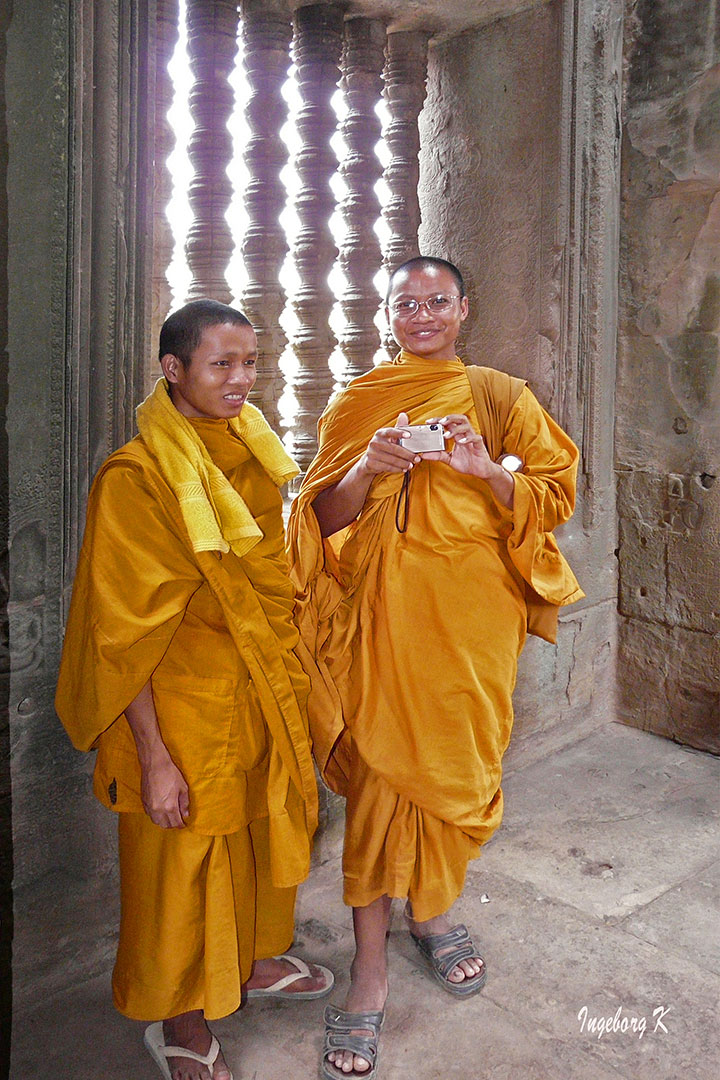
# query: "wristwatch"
[510,462]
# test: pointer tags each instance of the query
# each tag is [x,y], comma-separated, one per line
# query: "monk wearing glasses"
[420,567]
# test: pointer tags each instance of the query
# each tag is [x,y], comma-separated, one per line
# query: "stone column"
[586,279]
[405,73]
[317,48]
[267,32]
[360,256]
[212,44]
[167,35]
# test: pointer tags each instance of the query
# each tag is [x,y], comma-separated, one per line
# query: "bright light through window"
[180,215]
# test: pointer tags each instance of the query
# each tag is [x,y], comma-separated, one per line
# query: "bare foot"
[190,1031]
[267,972]
[368,993]
[466,969]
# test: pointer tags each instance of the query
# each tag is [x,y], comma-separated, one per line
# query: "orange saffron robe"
[214,633]
[416,635]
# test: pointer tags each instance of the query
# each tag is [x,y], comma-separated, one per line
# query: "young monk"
[418,574]
[179,667]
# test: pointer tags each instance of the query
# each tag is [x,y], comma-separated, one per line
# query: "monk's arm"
[164,791]
[337,506]
[502,484]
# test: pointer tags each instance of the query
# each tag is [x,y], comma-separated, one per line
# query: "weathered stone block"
[669,682]
[669,538]
[565,690]
[672,39]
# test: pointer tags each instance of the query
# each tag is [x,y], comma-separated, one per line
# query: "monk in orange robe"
[179,667]
[419,574]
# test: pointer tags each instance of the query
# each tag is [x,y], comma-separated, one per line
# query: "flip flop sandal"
[460,947]
[339,1028]
[155,1045]
[279,989]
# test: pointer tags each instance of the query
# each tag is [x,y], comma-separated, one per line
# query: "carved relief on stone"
[267,32]
[25,610]
[405,73]
[166,39]
[316,50]
[683,511]
[212,44]
[360,255]
[25,625]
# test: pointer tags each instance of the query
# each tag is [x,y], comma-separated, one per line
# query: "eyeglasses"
[434,305]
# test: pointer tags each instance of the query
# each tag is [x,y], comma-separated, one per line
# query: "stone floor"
[598,908]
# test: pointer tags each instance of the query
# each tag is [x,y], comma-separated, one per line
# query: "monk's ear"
[464,309]
[170,365]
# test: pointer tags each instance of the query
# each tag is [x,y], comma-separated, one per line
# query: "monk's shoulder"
[496,381]
[129,470]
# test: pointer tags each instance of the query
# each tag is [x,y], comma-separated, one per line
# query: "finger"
[184,803]
[453,418]
[473,442]
[402,420]
[158,817]
[174,819]
[391,434]
[392,462]
[391,450]
[457,423]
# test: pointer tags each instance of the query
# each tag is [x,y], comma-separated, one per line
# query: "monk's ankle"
[188,1030]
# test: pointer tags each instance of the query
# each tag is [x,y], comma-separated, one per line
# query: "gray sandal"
[460,947]
[339,1026]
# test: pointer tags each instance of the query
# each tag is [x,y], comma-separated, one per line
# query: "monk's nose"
[242,378]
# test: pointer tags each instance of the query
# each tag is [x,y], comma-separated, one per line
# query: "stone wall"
[519,188]
[668,397]
[76,251]
[49,814]
[6,846]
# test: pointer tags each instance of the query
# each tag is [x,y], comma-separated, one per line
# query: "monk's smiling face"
[430,334]
[219,376]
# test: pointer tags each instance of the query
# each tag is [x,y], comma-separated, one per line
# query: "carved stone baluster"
[405,72]
[267,32]
[212,45]
[360,256]
[167,36]
[316,50]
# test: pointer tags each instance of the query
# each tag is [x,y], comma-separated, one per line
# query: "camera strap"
[402,507]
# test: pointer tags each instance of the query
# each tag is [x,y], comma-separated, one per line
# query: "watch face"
[511,462]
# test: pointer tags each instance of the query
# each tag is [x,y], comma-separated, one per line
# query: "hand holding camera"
[398,448]
[385,452]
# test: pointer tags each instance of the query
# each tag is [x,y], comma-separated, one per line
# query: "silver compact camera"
[424,438]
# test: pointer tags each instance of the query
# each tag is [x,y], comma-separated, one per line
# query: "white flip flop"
[279,989]
[154,1040]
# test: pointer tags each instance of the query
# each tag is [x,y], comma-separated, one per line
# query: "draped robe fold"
[214,634]
[415,635]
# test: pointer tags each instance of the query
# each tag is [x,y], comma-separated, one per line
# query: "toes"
[466,969]
[346,1062]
